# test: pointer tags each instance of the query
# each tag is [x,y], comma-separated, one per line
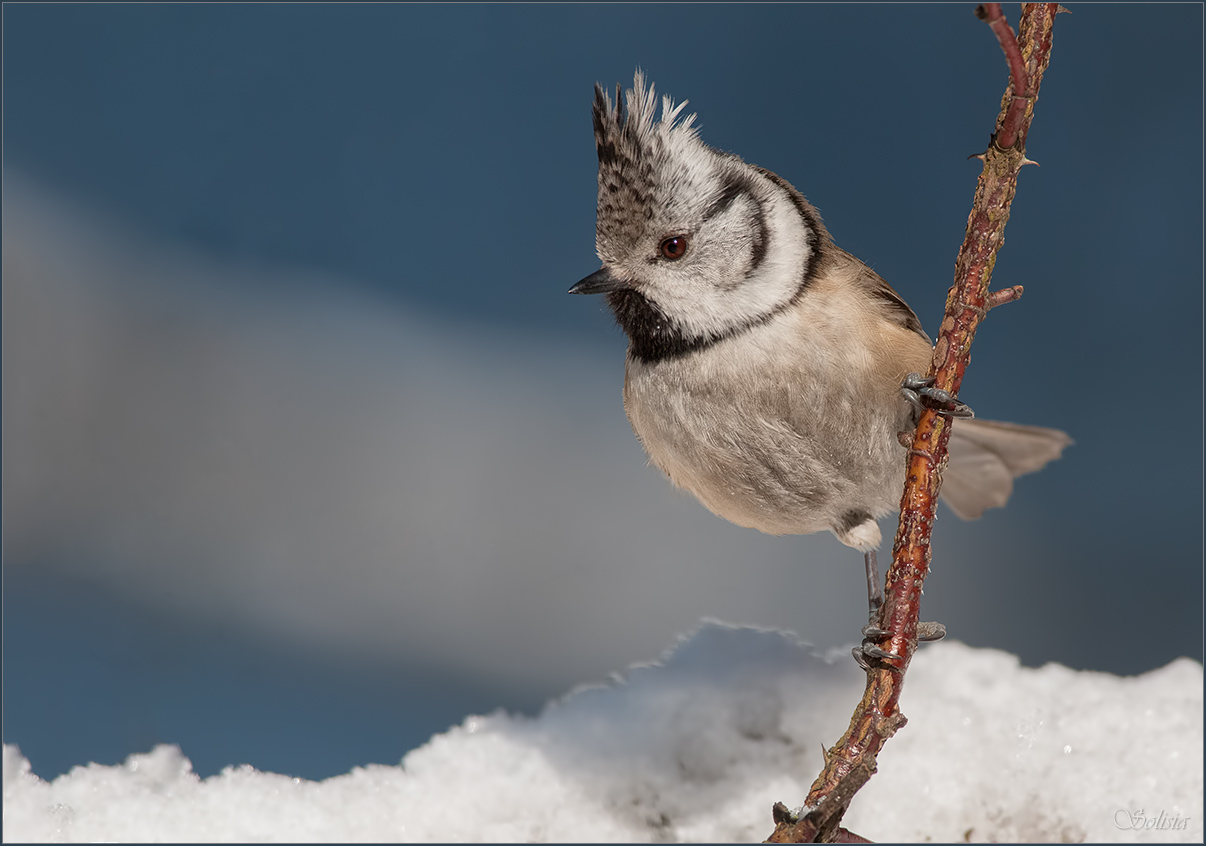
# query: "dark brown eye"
[674,247]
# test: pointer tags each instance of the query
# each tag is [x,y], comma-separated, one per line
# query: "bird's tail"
[985,456]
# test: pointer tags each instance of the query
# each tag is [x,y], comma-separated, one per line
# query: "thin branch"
[878,716]
[1007,130]
[1005,295]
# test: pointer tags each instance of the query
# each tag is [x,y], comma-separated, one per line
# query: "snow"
[697,747]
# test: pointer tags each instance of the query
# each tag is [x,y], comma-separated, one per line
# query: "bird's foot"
[919,392]
[869,652]
[873,632]
[931,632]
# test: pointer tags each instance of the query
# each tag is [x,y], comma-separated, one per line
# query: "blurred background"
[308,455]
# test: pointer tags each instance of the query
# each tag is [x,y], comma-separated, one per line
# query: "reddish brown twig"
[1005,295]
[1019,92]
[878,715]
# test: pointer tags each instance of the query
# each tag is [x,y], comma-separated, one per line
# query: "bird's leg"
[873,632]
[875,593]
[919,392]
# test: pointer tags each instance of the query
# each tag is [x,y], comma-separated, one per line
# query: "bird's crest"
[644,161]
[625,136]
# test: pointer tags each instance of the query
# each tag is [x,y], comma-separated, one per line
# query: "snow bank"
[697,747]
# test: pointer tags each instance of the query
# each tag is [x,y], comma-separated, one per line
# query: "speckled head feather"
[640,158]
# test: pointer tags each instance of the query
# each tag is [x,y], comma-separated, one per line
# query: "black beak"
[599,282]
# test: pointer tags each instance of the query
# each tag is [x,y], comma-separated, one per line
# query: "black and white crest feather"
[640,157]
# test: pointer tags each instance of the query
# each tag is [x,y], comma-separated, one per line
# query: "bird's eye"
[674,247]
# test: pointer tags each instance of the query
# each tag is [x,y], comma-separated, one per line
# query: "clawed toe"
[930,632]
[870,651]
[919,392]
[873,632]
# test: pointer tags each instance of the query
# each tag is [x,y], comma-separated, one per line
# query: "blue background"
[442,157]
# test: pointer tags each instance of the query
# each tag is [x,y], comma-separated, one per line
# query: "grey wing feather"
[986,456]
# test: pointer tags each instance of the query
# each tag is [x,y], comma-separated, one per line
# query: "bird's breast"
[770,431]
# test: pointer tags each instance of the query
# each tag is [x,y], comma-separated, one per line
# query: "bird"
[769,372]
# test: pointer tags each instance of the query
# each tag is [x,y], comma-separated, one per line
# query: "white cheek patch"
[704,299]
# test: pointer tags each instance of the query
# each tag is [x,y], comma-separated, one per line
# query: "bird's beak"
[599,282]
